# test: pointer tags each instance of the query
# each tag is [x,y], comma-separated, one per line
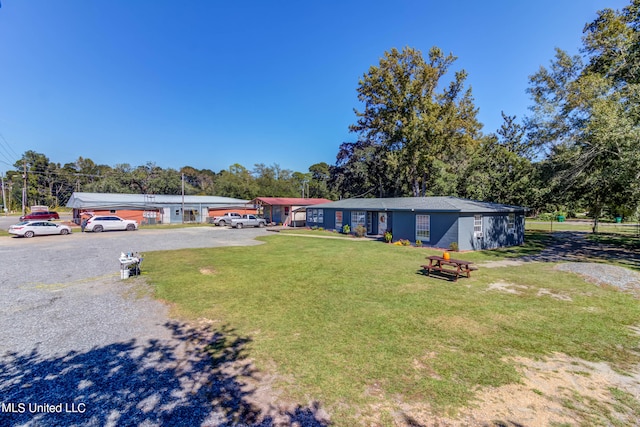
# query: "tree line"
[417,134]
[52,184]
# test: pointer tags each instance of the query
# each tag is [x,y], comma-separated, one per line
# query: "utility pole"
[4,199]
[183,198]
[24,187]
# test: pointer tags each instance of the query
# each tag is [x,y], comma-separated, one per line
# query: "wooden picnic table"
[456,267]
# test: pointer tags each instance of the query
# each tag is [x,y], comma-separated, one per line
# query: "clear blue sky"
[212,83]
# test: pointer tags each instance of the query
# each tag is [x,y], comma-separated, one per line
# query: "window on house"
[369,223]
[511,223]
[358,218]
[477,225]
[423,227]
[320,216]
[338,220]
[177,212]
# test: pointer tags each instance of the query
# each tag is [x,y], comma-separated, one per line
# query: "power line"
[7,147]
[8,164]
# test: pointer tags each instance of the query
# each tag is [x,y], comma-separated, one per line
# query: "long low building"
[441,222]
[156,208]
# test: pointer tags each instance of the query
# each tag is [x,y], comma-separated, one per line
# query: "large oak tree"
[416,130]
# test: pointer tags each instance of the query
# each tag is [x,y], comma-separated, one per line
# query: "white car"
[107,223]
[38,228]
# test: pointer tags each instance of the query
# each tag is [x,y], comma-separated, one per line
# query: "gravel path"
[578,255]
[80,347]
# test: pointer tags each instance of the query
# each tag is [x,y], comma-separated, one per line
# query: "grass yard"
[355,326]
[629,229]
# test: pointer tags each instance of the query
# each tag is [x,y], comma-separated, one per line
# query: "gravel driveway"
[81,347]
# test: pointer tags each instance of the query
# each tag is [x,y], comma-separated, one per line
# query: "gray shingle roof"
[431,204]
[94,200]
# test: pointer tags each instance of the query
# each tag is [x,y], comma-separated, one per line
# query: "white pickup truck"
[226,218]
[248,221]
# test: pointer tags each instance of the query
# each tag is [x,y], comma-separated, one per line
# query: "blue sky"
[210,83]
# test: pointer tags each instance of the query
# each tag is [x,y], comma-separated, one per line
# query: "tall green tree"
[500,169]
[273,181]
[42,175]
[152,179]
[203,181]
[587,113]
[319,178]
[237,182]
[415,131]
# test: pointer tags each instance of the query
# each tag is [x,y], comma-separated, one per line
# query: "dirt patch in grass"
[557,390]
[207,271]
[560,390]
[512,288]
[500,263]
[509,288]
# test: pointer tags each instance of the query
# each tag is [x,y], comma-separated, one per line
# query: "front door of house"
[382,223]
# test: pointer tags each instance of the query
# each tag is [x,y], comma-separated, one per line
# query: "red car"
[43,216]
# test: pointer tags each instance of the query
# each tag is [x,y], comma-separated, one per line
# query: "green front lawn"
[631,229]
[353,323]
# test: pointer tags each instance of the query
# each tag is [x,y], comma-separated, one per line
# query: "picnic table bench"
[456,267]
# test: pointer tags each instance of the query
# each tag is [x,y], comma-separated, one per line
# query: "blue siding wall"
[403,226]
[329,219]
[494,230]
[443,228]
[446,228]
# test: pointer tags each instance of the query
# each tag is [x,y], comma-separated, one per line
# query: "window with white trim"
[358,218]
[477,225]
[320,216]
[423,227]
[511,223]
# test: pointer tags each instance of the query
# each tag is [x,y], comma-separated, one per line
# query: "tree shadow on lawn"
[196,379]
[569,246]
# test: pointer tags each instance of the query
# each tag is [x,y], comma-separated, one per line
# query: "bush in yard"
[418,243]
[360,230]
[453,247]
[546,217]
[405,242]
[388,237]
[346,229]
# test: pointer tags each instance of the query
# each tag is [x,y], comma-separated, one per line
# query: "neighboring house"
[289,211]
[154,209]
[435,221]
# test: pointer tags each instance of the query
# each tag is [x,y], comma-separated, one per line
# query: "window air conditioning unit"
[478,234]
